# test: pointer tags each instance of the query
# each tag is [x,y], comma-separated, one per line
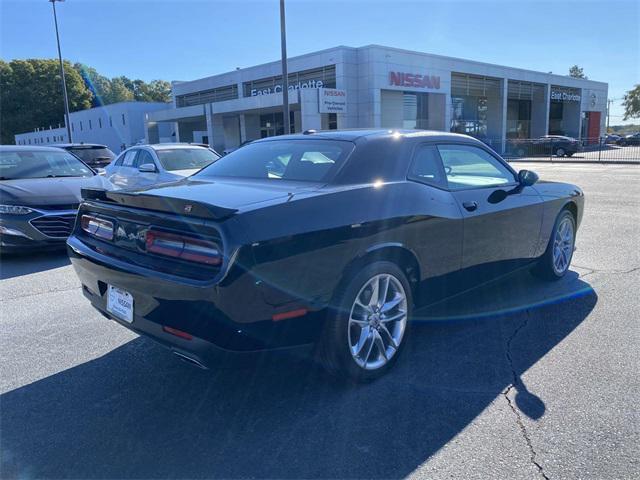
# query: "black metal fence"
[559,149]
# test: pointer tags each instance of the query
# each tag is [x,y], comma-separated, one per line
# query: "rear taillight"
[183,247]
[97,227]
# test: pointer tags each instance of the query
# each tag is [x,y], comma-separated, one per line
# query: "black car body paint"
[288,245]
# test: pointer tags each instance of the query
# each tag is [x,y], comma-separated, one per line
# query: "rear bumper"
[229,315]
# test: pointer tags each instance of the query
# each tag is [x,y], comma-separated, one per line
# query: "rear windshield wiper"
[62,176]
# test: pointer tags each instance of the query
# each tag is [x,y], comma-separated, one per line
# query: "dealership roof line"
[551,76]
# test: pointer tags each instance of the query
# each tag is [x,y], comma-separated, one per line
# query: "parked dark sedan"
[94,155]
[557,145]
[327,238]
[633,139]
[39,196]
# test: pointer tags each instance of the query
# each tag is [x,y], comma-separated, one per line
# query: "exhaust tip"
[190,360]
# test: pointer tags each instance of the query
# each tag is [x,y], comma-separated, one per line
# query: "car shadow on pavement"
[136,412]
[18,264]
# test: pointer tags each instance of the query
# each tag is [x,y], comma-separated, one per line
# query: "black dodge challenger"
[328,238]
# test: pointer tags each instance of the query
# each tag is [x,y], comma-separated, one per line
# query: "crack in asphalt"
[610,272]
[34,294]
[515,381]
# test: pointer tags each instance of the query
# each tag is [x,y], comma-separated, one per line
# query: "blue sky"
[188,39]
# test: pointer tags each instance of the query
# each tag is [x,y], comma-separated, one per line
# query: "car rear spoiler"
[177,206]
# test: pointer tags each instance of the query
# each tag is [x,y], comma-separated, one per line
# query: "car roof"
[165,146]
[80,145]
[357,134]
[27,148]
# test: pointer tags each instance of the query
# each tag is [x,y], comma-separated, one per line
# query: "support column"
[547,100]
[503,125]
[209,119]
[311,118]
[243,128]
[176,127]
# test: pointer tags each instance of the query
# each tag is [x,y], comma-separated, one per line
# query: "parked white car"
[143,165]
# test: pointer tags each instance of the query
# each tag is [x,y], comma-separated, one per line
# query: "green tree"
[631,103]
[99,85]
[31,95]
[159,91]
[577,72]
[121,91]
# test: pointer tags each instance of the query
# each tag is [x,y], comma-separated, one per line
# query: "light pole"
[285,73]
[64,83]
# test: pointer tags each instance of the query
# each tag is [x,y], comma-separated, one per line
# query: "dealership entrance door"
[591,127]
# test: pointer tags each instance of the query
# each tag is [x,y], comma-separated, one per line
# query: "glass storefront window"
[518,118]
[272,124]
[469,115]
[556,114]
[415,110]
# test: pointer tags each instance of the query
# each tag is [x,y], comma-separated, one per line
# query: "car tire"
[560,152]
[350,347]
[561,243]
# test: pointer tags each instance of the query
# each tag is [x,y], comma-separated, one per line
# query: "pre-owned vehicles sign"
[332,100]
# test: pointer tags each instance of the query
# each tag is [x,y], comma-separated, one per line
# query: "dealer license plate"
[120,303]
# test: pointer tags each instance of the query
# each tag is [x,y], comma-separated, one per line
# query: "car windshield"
[299,160]
[92,154]
[185,158]
[41,164]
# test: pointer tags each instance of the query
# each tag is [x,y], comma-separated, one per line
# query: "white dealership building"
[377,86]
[117,125]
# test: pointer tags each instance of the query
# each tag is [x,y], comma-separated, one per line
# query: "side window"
[468,167]
[426,166]
[142,158]
[118,161]
[129,158]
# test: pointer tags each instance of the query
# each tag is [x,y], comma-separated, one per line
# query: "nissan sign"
[332,100]
[403,79]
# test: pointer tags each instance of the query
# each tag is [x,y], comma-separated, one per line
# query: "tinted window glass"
[185,158]
[118,161]
[41,164]
[90,155]
[426,166]
[374,160]
[300,160]
[143,158]
[471,167]
[129,158]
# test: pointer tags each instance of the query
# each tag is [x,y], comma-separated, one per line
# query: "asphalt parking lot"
[525,380]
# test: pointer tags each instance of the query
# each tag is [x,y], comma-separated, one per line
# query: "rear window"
[297,160]
[93,154]
[41,164]
[185,158]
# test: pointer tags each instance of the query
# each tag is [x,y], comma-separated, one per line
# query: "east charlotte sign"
[559,96]
[295,86]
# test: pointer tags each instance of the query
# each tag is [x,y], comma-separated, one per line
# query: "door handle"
[470,206]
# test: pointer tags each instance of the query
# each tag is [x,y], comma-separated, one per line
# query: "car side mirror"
[147,168]
[527,178]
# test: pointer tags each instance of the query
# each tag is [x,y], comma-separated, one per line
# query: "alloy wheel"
[377,321]
[563,245]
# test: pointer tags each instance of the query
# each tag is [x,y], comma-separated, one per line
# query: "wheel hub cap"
[377,321]
[563,246]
